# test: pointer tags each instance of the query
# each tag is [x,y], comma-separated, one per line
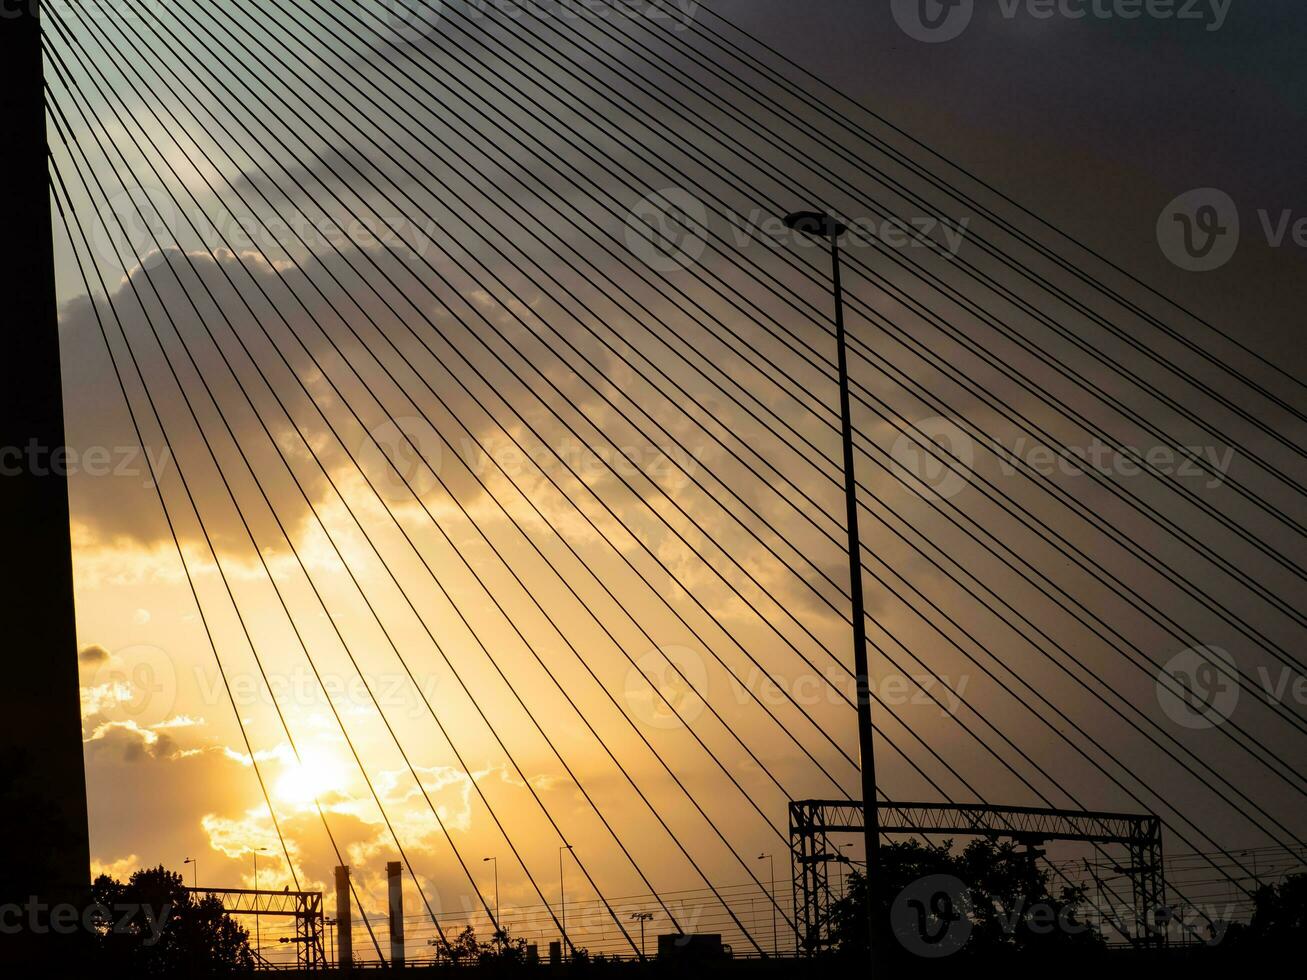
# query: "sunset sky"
[703,551]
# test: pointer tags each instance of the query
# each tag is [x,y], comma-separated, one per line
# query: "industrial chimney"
[396,887]
[344,933]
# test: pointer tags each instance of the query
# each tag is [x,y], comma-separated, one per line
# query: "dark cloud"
[93,656]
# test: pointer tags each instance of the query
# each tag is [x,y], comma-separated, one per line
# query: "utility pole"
[43,822]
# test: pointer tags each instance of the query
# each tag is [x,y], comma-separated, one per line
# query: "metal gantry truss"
[812,822]
[305,908]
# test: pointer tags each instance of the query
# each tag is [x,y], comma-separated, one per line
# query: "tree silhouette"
[985,899]
[465,949]
[1279,916]
[169,933]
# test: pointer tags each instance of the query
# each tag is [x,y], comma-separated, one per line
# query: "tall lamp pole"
[642,918]
[562,900]
[775,945]
[499,929]
[822,226]
[258,932]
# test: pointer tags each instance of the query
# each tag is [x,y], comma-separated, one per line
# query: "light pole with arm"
[195,873]
[824,227]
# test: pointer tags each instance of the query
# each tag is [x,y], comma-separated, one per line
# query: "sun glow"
[319,774]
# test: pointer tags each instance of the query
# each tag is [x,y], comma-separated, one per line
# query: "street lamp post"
[562,900]
[499,929]
[258,933]
[841,860]
[195,873]
[822,226]
[775,947]
[642,918]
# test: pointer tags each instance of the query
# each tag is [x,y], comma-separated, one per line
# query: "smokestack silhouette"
[396,886]
[344,933]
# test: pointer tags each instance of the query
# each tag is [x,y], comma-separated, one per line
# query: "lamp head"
[815,223]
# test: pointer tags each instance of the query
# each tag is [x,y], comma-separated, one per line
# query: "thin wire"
[1134,600]
[867,136]
[347,566]
[490,456]
[665,32]
[1203,549]
[177,542]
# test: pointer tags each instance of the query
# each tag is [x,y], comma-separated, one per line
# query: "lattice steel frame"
[304,907]
[813,821]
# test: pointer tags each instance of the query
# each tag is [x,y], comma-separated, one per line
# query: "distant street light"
[258,932]
[562,899]
[775,946]
[195,872]
[841,860]
[642,918]
[499,928]
[823,226]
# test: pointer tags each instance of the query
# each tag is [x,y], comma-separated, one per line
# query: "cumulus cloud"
[118,868]
[131,743]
